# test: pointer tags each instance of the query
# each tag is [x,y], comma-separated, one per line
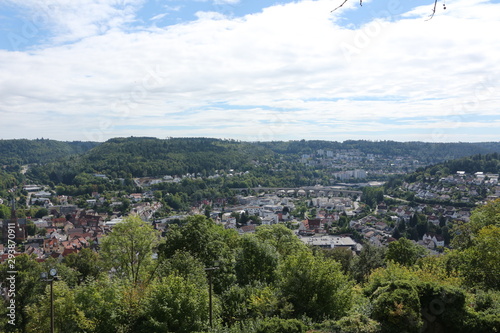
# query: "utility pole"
[51,305]
[45,277]
[210,270]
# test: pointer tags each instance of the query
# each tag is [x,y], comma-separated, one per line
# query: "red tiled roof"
[69,251]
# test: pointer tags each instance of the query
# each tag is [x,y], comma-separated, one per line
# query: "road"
[389,197]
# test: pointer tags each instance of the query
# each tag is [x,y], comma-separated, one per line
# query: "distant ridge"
[24,151]
[149,156]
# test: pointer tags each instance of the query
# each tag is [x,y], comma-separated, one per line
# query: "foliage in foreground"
[266,282]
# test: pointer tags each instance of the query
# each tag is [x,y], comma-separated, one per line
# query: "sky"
[255,70]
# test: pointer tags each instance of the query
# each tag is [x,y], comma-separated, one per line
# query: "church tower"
[18,225]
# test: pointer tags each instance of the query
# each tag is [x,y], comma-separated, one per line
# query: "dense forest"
[266,282]
[149,157]
[23,151]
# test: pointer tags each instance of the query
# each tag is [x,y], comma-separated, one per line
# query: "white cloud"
[226,2]
[71,21]
[209,15]
[282,73]
[158,17]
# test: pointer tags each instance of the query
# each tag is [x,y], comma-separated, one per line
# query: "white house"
[437,239]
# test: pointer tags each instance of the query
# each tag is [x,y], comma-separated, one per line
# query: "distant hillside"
[143,157]
[154,157]
[23,151]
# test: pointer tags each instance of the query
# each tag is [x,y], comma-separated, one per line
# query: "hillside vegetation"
[23,151]
[151,157]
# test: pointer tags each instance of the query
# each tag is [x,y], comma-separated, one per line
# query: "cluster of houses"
[375,229]
[150,181]
[62,237]
[468,188]
[68,229]
[357,164]
[269,208]
[432,212]
[40,196]
[275,208]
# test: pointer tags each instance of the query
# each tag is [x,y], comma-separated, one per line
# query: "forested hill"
[175,156]
[23,151]
[143,157]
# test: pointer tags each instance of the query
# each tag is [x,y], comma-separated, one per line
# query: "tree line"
[143,157]
[24,151]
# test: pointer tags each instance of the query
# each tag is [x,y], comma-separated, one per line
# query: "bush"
[356,323]
[278,325]
[397,307]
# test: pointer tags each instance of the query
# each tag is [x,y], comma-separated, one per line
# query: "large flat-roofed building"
[329,241]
